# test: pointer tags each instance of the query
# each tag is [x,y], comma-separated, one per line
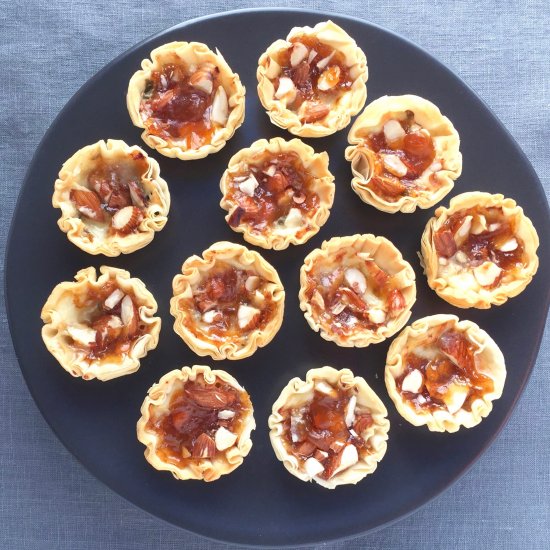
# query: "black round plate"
[261,503]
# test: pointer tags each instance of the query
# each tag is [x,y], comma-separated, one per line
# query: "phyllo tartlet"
[444,373]
[277,192]
[331,428]
[356,290]
[404,154]
[187,99]
[196,423]
[480,251]
[312,83]
[112,198]
[227,303]
[100,327]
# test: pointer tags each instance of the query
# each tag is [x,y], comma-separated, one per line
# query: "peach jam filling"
[324,433]
[109,323]
[483,240]
[229,302]
[313,76]
[352,299]
[274,190]
[114,195]
[399,154]
[185,103]
[201,421]
[442,373]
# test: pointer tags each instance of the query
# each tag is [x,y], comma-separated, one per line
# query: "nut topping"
[413,382]
[350,411]
[313,467]
[129,315]
[226,415]
[286,89]
[325,61]
[444,243]
[314,111]
[463,231]
[136,193]
[127,219]
[203,78]
[210,397]
[247,316]
[114,298]
[356,280]
[377,316]
[487,273]
[393,131]
[88,204]
[509,245]
[85,336]
[362,422]
[224,439]
[348,457]
[394,165]
[299,53]
[220,107]
[204,447]
[249,185]
[329,78]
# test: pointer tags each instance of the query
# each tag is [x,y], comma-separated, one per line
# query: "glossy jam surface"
[175,108]
[115,329]
[318,428]
[307,75]
[452,365]
[346,307]
[489,231]
[282,184]
[187,429]
[112,186]
[218,298]
[415,152]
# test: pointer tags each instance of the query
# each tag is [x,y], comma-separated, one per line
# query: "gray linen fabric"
[49,48]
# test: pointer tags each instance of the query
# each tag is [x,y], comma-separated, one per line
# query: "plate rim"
[324,14]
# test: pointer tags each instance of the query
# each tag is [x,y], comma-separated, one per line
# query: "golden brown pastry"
[404,154]
[100,327]
[331,428]
[480,251]
[196,423]
[112,198]
[356,290]
[227,303]
[187,99]
[277,192]
[312,83]
[444,373]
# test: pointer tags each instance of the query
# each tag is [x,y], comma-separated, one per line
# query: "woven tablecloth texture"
[49,49]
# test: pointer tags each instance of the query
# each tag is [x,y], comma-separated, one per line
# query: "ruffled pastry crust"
[59,310]
[89,236]
[445,139]
[387,257]
[207,469]
[188,53]
[348,105]
[490,363]
[192,271]
[298,392]
[274,236]
[479,297]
